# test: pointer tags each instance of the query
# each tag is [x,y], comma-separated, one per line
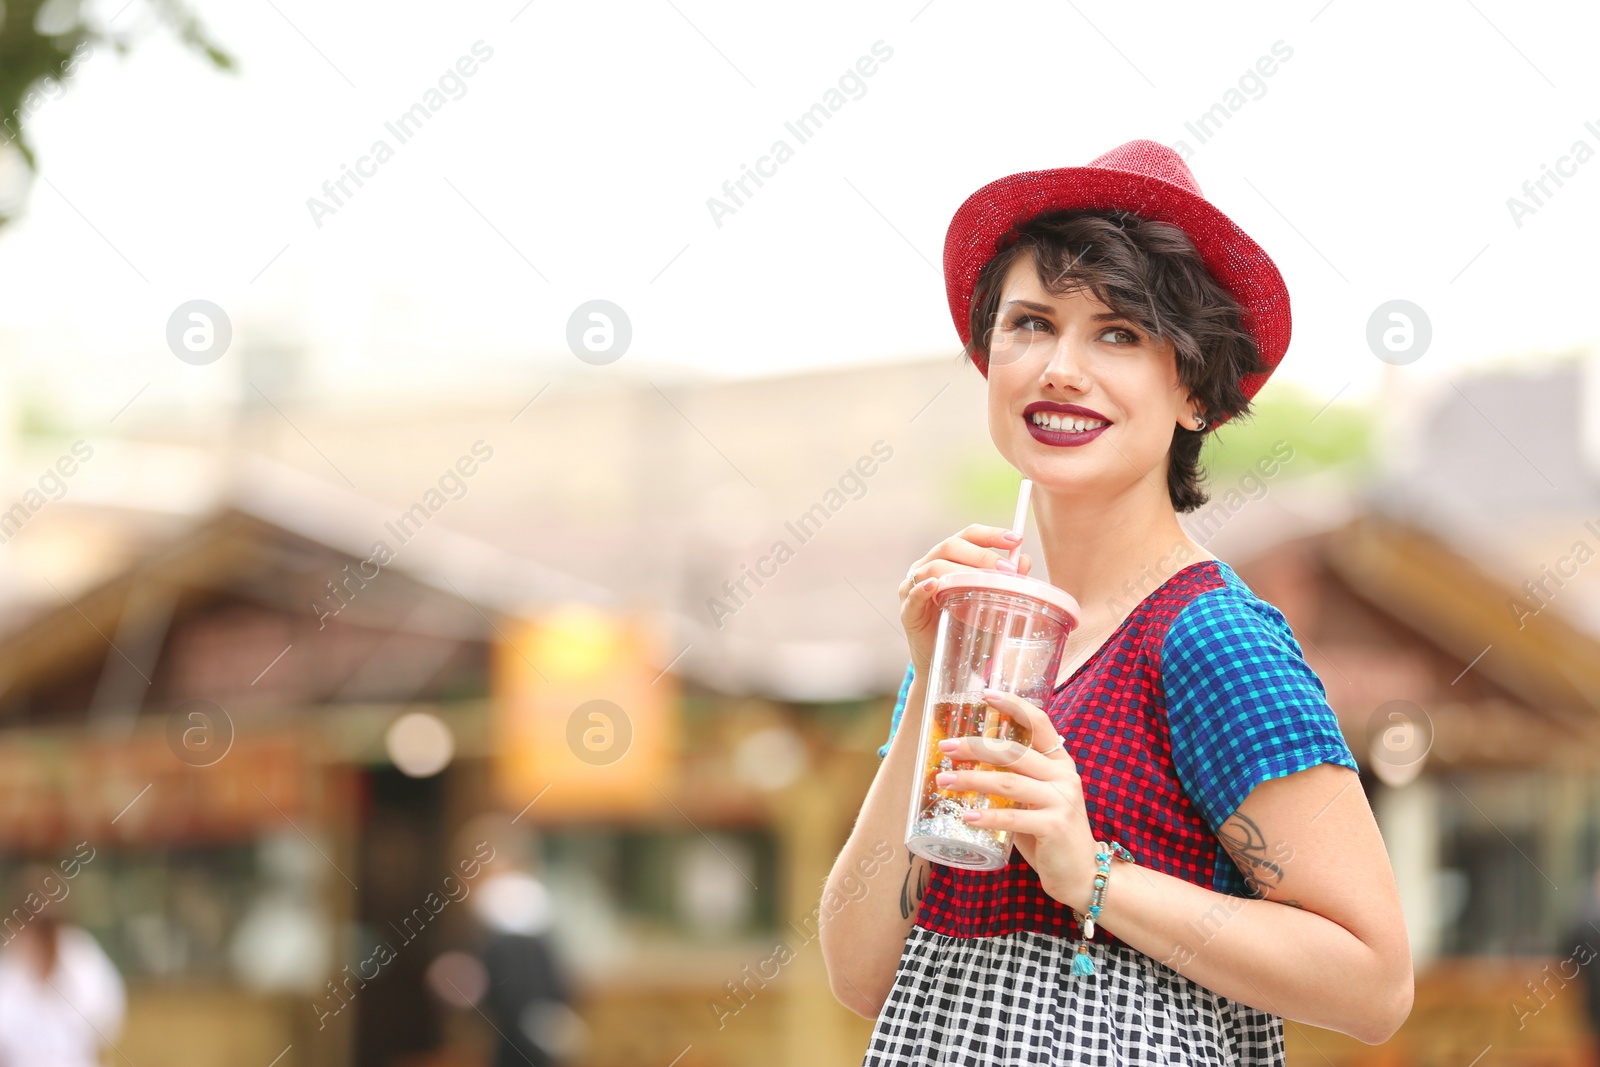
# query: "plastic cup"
[996,631]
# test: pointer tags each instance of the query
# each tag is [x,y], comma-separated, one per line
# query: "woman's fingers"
[1025,713]
[976,546]
[924,569]
[968,550]
[1036,726]
[1039,822]
[1009,756]
[982,546]
[1009,784]
[1032,778]
[925,579]
[993,535]
[1041,754]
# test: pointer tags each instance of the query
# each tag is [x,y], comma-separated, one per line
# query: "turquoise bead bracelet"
[1081,963]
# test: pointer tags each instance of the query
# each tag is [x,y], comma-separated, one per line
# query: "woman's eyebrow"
[1103,316]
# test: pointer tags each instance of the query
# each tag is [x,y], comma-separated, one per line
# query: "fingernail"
[1011,535]
[944,777]
[1004,564]
[971,816]
[947,745]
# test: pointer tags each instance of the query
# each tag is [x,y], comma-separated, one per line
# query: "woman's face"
[1049,351]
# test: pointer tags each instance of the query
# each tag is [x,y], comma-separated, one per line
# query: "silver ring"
[911,574]
[1060,744]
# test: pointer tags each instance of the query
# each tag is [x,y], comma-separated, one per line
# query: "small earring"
[1201,419]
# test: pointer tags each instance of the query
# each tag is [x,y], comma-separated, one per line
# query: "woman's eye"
[1026,322]
[1131,338]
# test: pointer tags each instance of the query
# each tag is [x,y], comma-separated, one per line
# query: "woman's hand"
[975,548]
[1052,826]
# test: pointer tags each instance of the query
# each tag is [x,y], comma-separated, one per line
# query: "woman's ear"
[1193,413]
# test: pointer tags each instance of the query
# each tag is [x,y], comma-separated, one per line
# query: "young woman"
[1118,317]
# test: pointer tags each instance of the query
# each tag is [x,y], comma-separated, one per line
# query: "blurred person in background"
[61,998]
[1582,946]
[527,995]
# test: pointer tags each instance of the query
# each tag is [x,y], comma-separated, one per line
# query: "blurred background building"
[281,712]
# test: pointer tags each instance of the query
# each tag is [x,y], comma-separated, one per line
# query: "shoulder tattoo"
[1244,841]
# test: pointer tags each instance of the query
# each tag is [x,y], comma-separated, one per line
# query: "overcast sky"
[575,163]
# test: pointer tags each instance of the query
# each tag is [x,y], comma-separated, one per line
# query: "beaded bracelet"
[1081,963]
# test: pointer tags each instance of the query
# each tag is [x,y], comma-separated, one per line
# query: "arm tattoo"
[1245,842]
[914,886]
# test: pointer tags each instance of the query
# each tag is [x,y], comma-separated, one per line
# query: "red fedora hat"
[1150,180]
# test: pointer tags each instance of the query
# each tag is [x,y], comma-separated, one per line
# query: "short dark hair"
[1151,273]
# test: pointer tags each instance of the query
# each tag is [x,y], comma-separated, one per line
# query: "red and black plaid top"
[1246,708]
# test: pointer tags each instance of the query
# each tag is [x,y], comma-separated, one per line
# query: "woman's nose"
[1065,365]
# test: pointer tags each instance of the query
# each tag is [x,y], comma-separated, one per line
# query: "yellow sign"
[582,722]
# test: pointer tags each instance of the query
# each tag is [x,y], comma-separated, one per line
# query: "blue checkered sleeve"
[1243,706]
[899,708]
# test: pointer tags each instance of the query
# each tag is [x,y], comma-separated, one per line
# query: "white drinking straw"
[1020,522]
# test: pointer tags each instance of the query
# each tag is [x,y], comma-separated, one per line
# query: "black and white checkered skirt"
[1013,999]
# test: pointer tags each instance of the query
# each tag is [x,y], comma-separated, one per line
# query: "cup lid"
[1049,596]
